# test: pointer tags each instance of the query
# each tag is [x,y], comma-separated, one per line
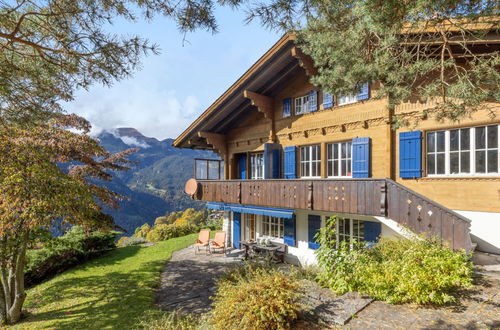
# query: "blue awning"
[273,212]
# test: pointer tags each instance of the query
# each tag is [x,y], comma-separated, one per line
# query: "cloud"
[139,103]
[133,142]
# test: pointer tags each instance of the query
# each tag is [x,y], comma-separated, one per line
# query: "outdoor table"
[252,247]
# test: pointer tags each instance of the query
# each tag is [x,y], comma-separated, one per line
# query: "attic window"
[301,104]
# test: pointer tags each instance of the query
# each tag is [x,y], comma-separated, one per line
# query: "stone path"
[321,306]
[478,308]
[188,280]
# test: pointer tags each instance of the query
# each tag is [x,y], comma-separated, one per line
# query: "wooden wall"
[364,119]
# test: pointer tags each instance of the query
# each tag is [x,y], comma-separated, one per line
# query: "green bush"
[163,232]
[128,241]
[252,297]
[419,270]
[160,320]
[61,253]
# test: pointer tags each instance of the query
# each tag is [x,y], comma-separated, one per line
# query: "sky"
[173,88]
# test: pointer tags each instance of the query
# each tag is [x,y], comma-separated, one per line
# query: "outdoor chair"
[202,241]
[219,242]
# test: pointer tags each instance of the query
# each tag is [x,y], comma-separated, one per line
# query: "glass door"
[250,225]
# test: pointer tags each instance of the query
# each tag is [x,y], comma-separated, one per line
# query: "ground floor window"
[272,227]
[350,230]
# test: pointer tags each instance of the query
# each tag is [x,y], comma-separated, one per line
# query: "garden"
[116,287]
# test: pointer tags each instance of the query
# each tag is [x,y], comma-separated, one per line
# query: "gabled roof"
[267,76]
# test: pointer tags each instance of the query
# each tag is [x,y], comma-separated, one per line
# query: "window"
[273,227]
[257,166]
[347,99]
[301,104]
[209,169]
[339,159]
[310,162]
[350,229]
[464,151]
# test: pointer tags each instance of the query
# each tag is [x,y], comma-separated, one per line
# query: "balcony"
[373,197]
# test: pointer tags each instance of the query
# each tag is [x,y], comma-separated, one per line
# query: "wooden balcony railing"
[374,197]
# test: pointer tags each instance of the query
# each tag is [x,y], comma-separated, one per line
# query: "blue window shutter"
[287,107]
[242,166]
[290,232]
[410,154]
[364,92]
[271,160]
[313,100]
[327,100]
[277,163]
[372,231]
[361,157]
[314,224]
[236,229]
[290,163]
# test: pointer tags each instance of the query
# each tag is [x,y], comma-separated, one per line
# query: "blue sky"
[173,88]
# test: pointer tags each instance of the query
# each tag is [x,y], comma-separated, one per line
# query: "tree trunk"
[13,293]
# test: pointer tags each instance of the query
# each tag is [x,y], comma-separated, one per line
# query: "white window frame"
[301,104]
[472,150]
[310,163]
[351,235]
[347,99]
[331,158]
[257,166]
[268,222]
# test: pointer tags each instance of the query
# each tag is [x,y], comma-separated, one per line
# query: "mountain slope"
[155,184]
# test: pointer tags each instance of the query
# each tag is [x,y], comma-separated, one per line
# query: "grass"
[112,292]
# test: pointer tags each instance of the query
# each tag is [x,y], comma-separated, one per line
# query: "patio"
[188,279]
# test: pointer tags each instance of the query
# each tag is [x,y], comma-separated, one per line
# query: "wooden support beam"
[264,104]
[305,61]
[218,141]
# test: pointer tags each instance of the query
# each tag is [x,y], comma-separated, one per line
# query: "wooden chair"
[219,242]
[203,240]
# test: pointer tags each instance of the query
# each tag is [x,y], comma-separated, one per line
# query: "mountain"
[155,185]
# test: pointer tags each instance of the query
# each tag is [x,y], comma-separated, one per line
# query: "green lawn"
[111,292]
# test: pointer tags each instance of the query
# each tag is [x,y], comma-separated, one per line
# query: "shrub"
[62,253]
[128,241]
[142,231]
[253,297]
[161,220]
[420,271]
[163,232]
[159,320]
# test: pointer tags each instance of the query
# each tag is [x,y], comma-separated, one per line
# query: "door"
[250,225]
[236,229]
[242,166]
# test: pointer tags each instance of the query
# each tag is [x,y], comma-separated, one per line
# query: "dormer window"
[301,104]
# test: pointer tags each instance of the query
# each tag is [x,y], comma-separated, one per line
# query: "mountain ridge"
[154,186]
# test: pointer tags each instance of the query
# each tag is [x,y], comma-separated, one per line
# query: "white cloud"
[137,103]
[133,142]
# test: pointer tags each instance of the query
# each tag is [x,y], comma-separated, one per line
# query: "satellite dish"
[191,187]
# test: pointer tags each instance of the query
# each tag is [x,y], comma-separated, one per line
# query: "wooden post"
[324,160]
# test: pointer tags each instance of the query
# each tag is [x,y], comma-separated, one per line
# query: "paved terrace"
[188,281]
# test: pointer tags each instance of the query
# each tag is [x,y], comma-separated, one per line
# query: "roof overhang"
[266,77]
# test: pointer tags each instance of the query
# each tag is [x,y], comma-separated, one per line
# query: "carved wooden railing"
[423,215]
[374,197]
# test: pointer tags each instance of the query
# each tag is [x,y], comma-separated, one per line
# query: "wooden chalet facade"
[294,156]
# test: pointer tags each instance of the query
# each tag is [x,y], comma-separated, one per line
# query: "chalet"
[294,155]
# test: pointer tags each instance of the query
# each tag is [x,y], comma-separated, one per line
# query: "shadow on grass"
[91,297]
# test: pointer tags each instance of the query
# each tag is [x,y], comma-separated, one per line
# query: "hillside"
[155,185]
